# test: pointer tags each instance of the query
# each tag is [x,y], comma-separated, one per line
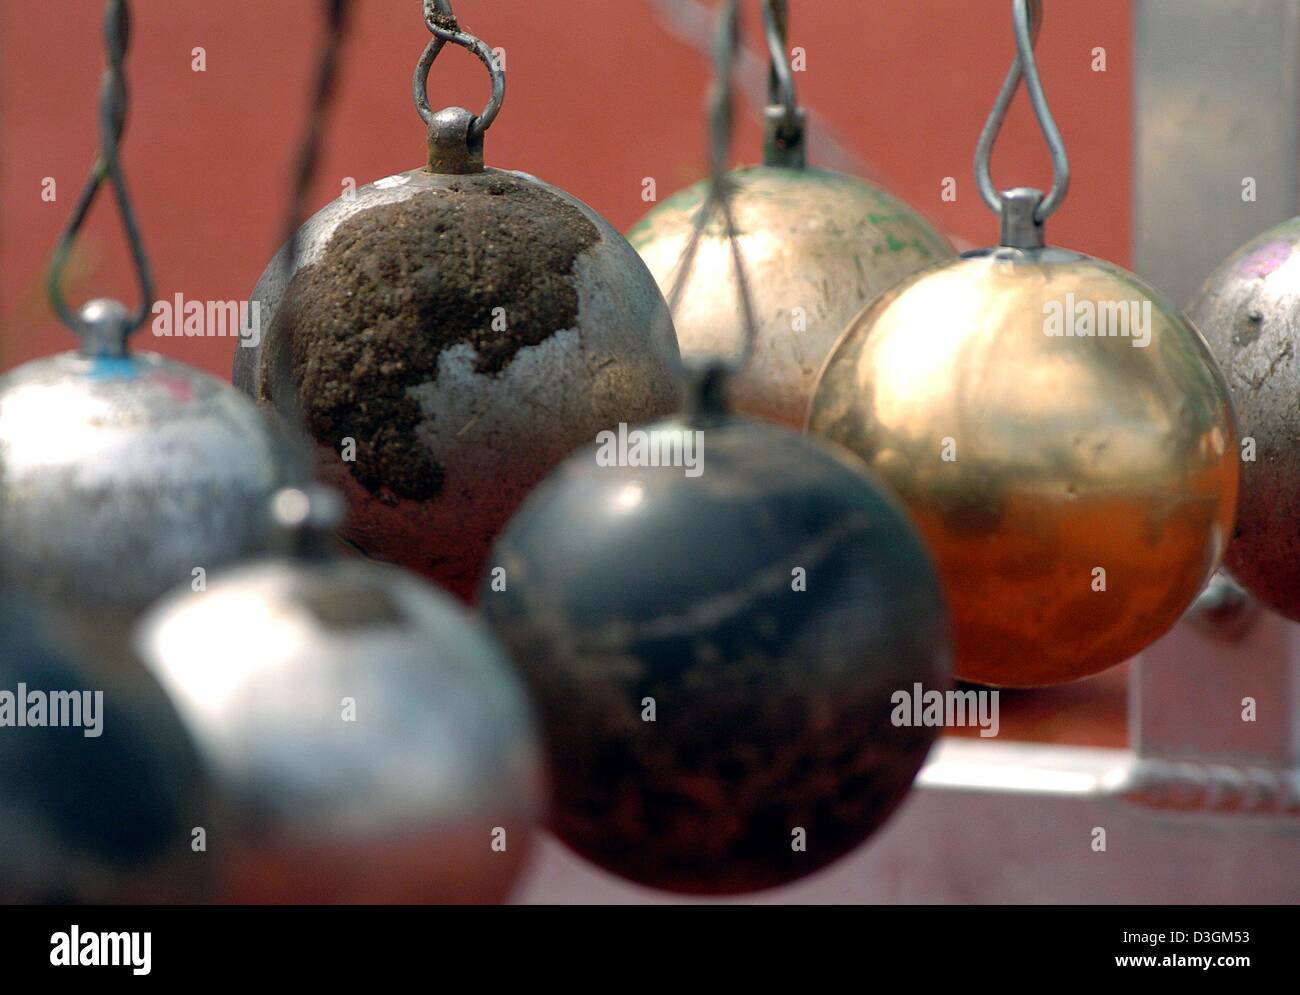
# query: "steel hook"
[441,22]
[1027,17]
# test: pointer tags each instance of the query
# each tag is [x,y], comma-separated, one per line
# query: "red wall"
[599,96]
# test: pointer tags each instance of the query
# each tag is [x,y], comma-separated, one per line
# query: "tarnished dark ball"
[1249,313]
[714,654]
[455,336]
[101,790]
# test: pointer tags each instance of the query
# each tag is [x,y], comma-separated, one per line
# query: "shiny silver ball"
[123,473]
[369,742]
[1249,312]
[818,246]
[101,790]
[453,337]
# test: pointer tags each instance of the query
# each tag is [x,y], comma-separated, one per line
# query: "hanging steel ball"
[122,473]
[101,792]
[818,246]
[1249,312]
[1063,439]
[456,332]
[715,647]
[369,742]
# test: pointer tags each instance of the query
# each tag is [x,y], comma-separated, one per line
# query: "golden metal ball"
[1249,311]
[1076,488]
[817,245]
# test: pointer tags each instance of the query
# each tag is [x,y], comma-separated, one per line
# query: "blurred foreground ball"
[121,473]
[1063,439]
[1249,312]
[818,245]
[454,336]
[100,787]
[369,742]
[714,653]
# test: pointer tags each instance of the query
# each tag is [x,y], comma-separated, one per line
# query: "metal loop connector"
[104,327]
[453,149]
[112,120]
[1021,226]
[326,83]
[705,383]
[442,23]
[785,122]
[1027,16]
[305,521]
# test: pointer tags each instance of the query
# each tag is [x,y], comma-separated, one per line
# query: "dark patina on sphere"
[446,340]
[714,653]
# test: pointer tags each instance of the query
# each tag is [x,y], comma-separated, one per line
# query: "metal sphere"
[122,474]
[817,246]
[1077,490]
[454,338]
[1249,312]
[103,810]
[426,791]
[714,655]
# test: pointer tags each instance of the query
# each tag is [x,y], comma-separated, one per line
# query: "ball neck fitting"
[305,521]
[455,135]
[706,394]
[785,123]
[103,326]
[1022,226]
[783,137]
[454,146]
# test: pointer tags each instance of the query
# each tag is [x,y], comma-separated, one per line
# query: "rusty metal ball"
[367,740]
[454,337]
[818,245]
[103,805]
[1249,312]
[1077,490]
[121,475]
[714,655]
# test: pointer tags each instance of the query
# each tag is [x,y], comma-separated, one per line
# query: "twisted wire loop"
[441,21]
[784,120]
[1027,17]
[336,12]
[322,98]
[104,317]
[705,382]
